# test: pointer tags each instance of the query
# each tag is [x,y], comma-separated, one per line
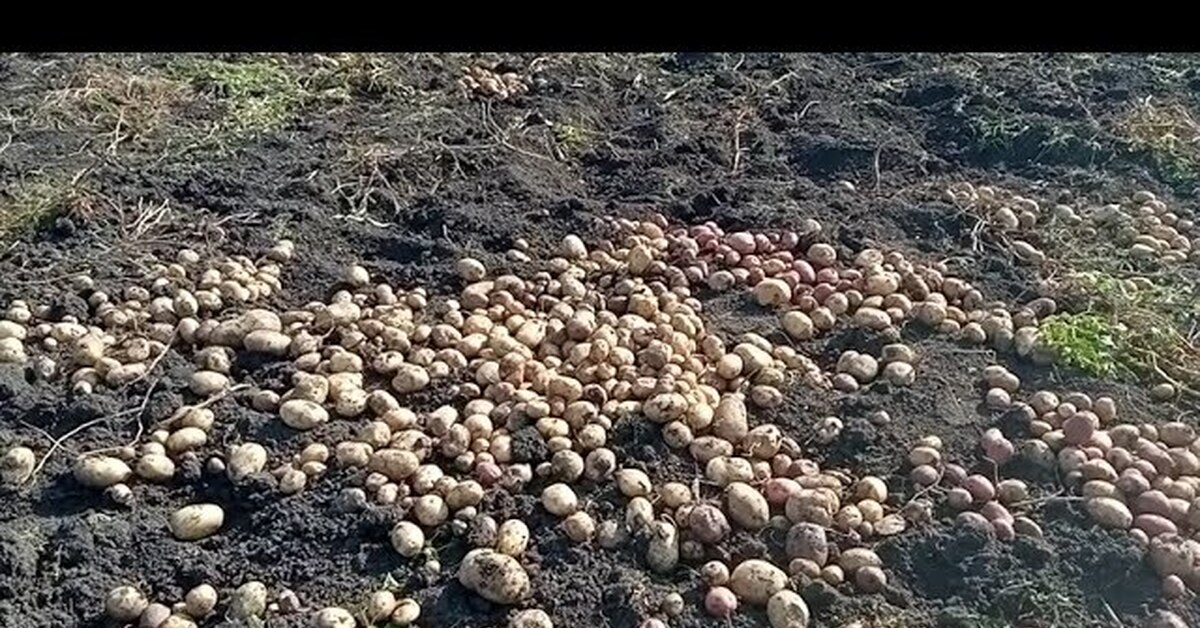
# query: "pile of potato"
[611,332]
[489,84]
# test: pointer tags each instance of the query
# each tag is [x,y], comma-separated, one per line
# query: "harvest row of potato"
[605,331]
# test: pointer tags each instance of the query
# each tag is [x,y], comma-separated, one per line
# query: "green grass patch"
[259,94]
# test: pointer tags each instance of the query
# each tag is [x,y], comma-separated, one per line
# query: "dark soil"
[427,174]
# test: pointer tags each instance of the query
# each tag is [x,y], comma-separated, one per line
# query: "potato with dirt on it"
[245,460]
[530,618]
[786,609]
[196,521]
[200,600]
[747,506]
[155,468]
[662,550]
[1109,512]
[497,577]
[125,603]
[268,342]
[333,617]
[17,466]
[208,383]
[249,600]
[407,539]
[757,580]
[512,537]
[101,471]
[302,414]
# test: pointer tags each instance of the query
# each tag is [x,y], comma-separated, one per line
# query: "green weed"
[1084,341]
[260,95]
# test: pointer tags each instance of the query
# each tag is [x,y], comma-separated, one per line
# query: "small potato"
[579,527]
[496,577]
[559,499]
[530,618]
[17,465]
[333,617]
[155,468]
[302,414]
[512,537]
[633,483]
[125,603]
[200,600]
[197,521]
[773,292]
[249,601]
[207,383]
[268,342]
[245,460]
[662,550]
[786,609]
[407,539]
[757,580]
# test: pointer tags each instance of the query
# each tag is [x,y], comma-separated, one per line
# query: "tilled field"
[599,340]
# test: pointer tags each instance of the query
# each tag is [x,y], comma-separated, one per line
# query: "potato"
[1109,512]
[380,606]
[730,419]
[512,538]
[12,351]
[431,510]
[407,539]
[249,600]
[662,549]
[101,471]
[633,483]
[200,600]
[207,383]
[530,618]
[798,325]
[786,609]
[407,612]
[757,580]
[720,602]
[333,617]
[125,603]
[807,541]
[16,466]
[155,615]
[855,558]
[496,577]
[559,499]
[186,439]
[302,414]
[579,527]
[773,292]
[177,621]
[410,378]
[197,521]
[268,342]
[747,506]
[155,468]
[245,460]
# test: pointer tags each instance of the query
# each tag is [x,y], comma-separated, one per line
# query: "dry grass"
[35,201]
[114,104]
[1167,131]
